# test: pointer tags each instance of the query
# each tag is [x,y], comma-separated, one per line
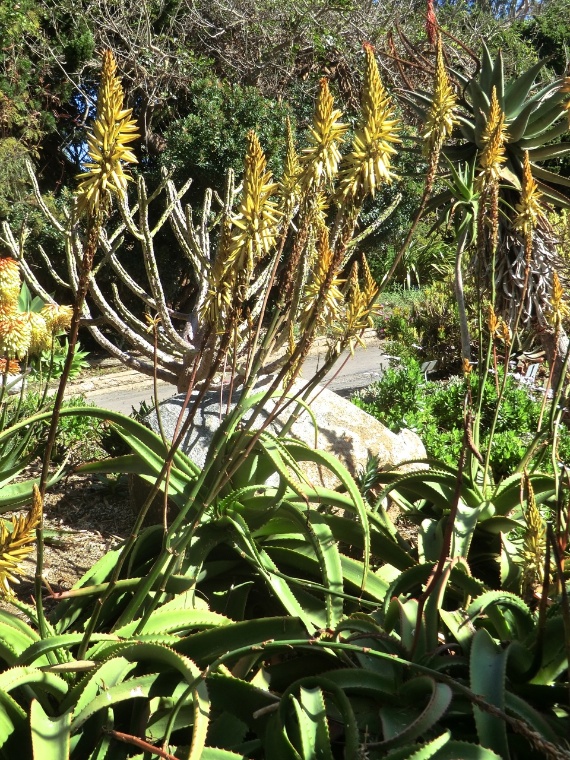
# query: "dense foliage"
[404,398]
[265,614]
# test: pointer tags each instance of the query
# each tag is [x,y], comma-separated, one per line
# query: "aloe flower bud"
[9,282]
[15,335]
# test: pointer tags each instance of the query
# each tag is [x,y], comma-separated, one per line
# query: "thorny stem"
[135,741]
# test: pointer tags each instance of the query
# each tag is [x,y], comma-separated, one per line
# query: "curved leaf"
[314,526]
[487,666]
[51,737]
[406,721]
[324,459]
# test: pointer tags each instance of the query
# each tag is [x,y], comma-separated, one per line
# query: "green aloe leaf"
[207,646]
[324,459]
[13,724]
[112,672]
[517,90]
[35,652]
[409,718]
[516,129]
[487,69]
[314,526]
[487,666]
[26,676]
[491,602]
[51,737]
[247,702]
[259,558]
[313,726]
[498,79]
[362,682]
[545,137]
[316,740]
[450,750]
[174,621]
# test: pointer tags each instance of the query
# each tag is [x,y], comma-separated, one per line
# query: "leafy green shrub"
[77,433]
[424,321]
[212,138]
[50,363]
[404,398]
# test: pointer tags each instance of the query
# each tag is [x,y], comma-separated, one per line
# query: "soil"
[84,517]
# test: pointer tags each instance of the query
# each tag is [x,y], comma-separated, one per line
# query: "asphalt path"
[124,391]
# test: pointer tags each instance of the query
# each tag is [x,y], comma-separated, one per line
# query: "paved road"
[123,390]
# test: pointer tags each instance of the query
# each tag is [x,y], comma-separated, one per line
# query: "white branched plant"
[265,259]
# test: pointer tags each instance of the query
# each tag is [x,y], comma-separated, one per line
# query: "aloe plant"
[534,118]
[273,617]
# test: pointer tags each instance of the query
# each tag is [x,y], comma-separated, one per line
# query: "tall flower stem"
[107,148]
[83,285]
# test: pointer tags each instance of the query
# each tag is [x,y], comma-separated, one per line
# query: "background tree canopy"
[198,75]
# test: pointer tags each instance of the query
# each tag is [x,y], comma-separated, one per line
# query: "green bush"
[403,398]
[77,433]
[212,138]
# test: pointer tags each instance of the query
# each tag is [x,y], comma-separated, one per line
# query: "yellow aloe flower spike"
[9,282]
[368,163]
[222,292]
[441,116]
[257,219]
[529,209]
[58,318]
[324,260]
[15,335]
[492,156]
[107,143]
[559,309]
[320,161]
[534,544]
[15,545]
[41,336]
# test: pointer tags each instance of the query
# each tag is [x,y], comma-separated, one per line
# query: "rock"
[14,383]
[343,430]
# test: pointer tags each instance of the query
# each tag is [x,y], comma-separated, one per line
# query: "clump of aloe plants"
[271,616]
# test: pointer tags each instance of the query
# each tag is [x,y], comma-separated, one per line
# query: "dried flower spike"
[492,320]
[107,143]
